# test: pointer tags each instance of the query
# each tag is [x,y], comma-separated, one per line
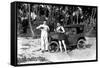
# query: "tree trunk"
[30,22]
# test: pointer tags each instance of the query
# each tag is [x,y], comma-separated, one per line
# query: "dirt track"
[29,49]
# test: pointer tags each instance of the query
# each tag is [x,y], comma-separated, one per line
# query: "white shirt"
[44,29]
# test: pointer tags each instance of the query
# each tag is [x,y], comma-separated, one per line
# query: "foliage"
[53,13]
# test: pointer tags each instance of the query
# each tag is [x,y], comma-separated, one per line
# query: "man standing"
[44,36]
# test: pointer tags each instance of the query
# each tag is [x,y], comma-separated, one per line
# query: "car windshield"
[76,30]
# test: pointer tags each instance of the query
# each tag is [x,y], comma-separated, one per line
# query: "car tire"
[81,44]
[53,47]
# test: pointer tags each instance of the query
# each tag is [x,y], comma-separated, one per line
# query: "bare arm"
[48,28]
[63,30]
[38,27]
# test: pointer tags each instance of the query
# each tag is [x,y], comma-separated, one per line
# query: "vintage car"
[74,38]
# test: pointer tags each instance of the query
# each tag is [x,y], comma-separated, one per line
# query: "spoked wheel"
[53,47]
[81,44]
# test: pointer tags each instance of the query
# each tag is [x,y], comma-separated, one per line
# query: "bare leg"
[63,42]
[60,46]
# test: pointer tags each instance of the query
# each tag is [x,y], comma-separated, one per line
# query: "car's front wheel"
[53,46]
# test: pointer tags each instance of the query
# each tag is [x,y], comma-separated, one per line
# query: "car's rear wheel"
[81,44]
[53,46]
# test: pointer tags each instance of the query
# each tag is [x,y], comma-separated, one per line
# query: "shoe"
[46,50]
[42,51]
